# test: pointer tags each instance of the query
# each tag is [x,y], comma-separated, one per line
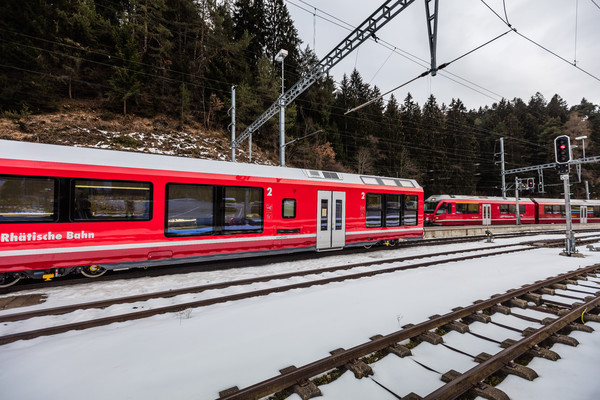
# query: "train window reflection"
[243,209]
[27,199]
[190,210]
[95,200]
[374,210]
[392,210]
[288,208]
[411,210]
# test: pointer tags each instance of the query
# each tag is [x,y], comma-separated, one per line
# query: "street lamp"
[279,58]
[587,189]
[582,138]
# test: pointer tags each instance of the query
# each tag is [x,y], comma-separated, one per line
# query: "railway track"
[76,279]
[552,322]
[336,274]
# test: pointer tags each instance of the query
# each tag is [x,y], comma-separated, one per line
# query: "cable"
[411,57]
[539,45]
[426,73]
[596,4]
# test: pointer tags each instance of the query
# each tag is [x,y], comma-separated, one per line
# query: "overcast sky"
[509,67]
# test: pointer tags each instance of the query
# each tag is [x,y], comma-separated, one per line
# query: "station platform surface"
[432,232]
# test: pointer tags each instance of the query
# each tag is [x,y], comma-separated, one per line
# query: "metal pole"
[517,198]
[233,123]
[282,122]
[503,170]
[250,148]
[570,238]
[587,191]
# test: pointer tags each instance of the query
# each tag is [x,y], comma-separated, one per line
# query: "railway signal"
[531,184]
[562,147]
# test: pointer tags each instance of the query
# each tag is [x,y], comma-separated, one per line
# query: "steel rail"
[475,375]
[323,365]
[240,296]
[223,285]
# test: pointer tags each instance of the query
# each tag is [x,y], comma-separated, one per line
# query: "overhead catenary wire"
[539,45]
[426,73]
[411,57]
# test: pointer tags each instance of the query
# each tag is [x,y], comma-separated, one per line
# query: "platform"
[432,232]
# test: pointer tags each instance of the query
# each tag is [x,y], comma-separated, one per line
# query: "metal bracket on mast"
[384,14]
[432,20]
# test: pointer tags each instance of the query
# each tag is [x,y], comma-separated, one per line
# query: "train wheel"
[8,280]
[392,243]
[93,271]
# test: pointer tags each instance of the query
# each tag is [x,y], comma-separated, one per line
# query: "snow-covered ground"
[197,353]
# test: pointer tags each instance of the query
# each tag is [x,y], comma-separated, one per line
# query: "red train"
[66,209]
[475,210]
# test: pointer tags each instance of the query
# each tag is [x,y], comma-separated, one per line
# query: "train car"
[481,210]
[67,209]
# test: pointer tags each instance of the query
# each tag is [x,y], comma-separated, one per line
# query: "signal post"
[562,148]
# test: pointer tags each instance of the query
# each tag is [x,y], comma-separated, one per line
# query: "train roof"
[539,200]
[16,150]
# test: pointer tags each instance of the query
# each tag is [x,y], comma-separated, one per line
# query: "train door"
[486,214]
[331,220]
[583,215]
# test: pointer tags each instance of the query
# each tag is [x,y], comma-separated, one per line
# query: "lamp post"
[587,190]
[280,57]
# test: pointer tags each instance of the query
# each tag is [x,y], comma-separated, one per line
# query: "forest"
[180,58]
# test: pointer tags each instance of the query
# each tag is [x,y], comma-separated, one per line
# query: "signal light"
[562,147]
[530,183]
[540,188]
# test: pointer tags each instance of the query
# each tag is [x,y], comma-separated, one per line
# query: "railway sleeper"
[477,317]
[511,368]
[500,309]
[453,326]
[304,388]
[396,348]
[555,338]
[533,298]
[427,336]
[482,389]
[535,351]
[359,368]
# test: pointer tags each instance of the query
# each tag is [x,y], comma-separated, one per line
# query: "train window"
[28,199]
[190,210]
[243,209]
[445,208]
[505,209]
[467,208]
[374,210]
[411,210]
[288,208]
[596,211]
[339,214]
[95,200]
[392,210]
[555,209]
[324,215]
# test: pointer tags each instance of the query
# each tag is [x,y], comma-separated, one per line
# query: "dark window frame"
[72,200]
[166,222]
[384,214]
[56,205]
[218,206]
[283,208]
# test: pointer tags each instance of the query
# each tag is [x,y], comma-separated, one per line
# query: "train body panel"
[479,210]
[63,207]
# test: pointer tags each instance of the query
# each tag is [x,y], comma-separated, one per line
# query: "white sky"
[510,67]
[195,354]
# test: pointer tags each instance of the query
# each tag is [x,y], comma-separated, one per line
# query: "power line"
[539,45]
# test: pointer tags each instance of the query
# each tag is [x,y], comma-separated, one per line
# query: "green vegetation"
[180,58]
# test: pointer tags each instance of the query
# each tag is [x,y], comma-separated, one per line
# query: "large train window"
[374,210]
[100,200]
[392,210]
[190,210]
[288,208]
[28,199]
[411,210]
[243,209]
[467,208]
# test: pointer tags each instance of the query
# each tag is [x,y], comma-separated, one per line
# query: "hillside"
[84,123]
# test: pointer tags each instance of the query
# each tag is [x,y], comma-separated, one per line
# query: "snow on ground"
[197,353]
